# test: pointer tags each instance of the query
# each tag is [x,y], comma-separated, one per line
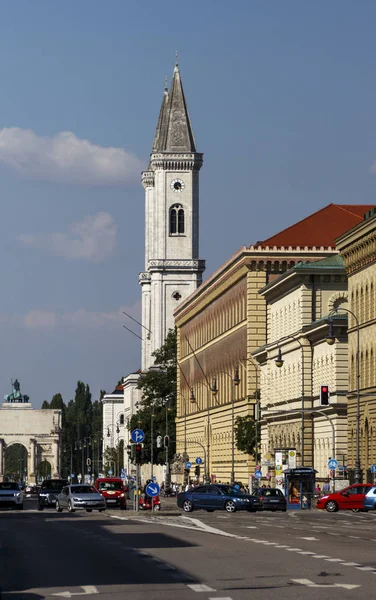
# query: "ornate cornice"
[360,254]
[176,265]
[147,178]
[144,278]
[185,161]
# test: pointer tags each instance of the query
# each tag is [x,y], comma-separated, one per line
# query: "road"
[204,556]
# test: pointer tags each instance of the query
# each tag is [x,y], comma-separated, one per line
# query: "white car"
[10,495]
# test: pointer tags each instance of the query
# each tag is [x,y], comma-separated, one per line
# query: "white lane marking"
[309,583]
[222,598]
[351,564]
[329,533]
[306,552]
[294,549]
[354,537]
[309,539]
[320,556]
[251,527]
[88,589]
[366,568]
[334,559]
[200,587]
[282,546]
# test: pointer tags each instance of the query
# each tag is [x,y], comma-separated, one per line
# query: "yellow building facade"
[218,328]
[358,248]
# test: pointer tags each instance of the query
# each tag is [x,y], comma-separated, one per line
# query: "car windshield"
[269,492]
[8,485]
[83,489]
[110,485]
[54,484]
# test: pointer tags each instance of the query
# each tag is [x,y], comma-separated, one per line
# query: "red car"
[350,498]
[112,489]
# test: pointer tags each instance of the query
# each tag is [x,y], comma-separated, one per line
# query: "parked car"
[369,502]
[271,498]
[31,490]
[217,497]
[112,489]
[10,495]
[350,498]
[49,491]
[80,497]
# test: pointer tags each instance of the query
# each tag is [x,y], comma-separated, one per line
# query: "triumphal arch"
[39,431]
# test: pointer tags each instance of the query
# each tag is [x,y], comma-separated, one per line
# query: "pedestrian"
[326,487]
[317,491]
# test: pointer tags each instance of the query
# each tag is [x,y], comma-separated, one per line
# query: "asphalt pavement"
[208,556]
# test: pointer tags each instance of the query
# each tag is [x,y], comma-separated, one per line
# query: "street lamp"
[213,389]
[257,405]
[235,380]
[71,457]
[331,340]
[279,363]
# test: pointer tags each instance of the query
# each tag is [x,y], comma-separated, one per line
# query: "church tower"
[172,267]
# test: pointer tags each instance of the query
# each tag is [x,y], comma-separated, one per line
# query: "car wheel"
[355,510]
[89,510]
[187,506]
[58,508]
[70,507]
[230,506]
[157,507]
[331,506]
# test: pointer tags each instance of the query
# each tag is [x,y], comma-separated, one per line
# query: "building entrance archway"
[37,430]
[15,462]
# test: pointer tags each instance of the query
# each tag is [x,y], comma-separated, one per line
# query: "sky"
[282,99]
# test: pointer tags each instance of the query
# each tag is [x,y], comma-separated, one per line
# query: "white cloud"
[39,319]
[93,239]
[66,158]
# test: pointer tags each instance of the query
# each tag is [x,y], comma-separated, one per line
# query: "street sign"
[137,436]
[198,460]
[257,474]
[110,472]
[188,465]
[123,473]
[152,490]
[332,464]
[72,475]
[373,468]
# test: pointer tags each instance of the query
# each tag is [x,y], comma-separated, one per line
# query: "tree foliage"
[246,432]
[158,402]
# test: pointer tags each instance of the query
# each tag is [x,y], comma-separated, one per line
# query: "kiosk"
[300,486]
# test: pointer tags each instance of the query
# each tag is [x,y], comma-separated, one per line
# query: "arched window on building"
[177,224]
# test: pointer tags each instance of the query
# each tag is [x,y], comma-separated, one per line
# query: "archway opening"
[15,463]
[43,471]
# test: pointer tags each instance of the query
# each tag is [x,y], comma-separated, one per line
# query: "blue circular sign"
[109,472]
[152,490]
[332,463]
[188,465]
[198,460]
[137,436]
[257,475]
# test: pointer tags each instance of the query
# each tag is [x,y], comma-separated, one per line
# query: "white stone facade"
[39,431]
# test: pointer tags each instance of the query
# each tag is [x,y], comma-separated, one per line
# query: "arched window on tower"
[177,225]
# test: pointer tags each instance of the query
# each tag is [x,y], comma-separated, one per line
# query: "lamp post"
[235,380]
[257,403]
[71,457]
[279,363]
[358,476]
[193,400]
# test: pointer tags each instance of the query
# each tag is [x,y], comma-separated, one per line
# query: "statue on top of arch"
[16,395]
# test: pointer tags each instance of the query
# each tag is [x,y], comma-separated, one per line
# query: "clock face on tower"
[177,185]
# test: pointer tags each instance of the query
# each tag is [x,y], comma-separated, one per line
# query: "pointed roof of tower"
[174,130]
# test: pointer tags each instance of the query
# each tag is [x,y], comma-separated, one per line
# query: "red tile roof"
[321,228]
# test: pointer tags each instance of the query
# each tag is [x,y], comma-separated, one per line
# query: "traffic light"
[159,441]
[166,441]
[129,451]
[324,395]
[138,453]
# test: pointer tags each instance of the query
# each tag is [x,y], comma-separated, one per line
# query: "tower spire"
[174,130]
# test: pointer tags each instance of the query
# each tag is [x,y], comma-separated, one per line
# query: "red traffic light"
[138,447]
[324,388]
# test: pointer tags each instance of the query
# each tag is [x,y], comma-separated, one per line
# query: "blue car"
[369,502]
[218,497]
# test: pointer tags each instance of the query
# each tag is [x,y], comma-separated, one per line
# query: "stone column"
[56,466]
[32,462]
[1,460]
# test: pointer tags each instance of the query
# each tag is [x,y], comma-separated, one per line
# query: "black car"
[49,491]
[271,498]
[217,497]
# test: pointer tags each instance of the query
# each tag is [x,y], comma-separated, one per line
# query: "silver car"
[10,495]
[80,497]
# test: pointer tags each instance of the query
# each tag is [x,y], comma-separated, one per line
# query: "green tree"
[158,387]
[246,433]
[46,405]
